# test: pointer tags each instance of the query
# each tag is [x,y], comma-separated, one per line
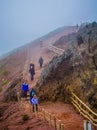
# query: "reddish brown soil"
[12,117]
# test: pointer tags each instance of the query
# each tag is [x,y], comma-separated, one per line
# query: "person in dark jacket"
[31,64]
[32,93]
[32,71]
[41,62]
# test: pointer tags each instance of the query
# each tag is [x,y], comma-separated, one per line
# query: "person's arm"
[37,101]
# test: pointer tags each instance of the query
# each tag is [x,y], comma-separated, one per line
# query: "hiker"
[32,71]
[34,102]
[41,62]
[32,93]
[25,89]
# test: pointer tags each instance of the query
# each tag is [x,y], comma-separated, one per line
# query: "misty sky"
[22,21]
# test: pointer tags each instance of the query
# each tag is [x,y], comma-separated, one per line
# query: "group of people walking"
[33,97]
[25,86]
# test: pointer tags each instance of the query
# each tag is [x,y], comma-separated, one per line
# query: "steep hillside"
[12,63]
[75,70]
[11,78]
[58,31]
[11,68]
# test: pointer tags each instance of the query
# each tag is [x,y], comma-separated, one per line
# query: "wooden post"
[55,126]
[23,106]
[89,126]
[44,114]
[85,125]
[62,126]
[59,124]
[50,121]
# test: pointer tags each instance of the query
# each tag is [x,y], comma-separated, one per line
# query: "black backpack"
[32,93]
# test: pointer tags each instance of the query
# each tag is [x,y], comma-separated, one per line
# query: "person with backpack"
[34,102]
[25,89]
[41,62]
[32,93]
[32,71]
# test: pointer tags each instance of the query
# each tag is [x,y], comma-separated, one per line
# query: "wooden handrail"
[45,115]
[84,109]
[53,121]
[58,51]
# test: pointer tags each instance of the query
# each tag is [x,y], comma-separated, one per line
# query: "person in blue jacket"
[34,102]
[25,89]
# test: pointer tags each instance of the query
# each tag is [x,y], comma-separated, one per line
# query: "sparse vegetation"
[5,82]
[25,117]
[4,72]
[11,93]
[1,89]
[1,113]
[28,128]
[79,40]
[6,128]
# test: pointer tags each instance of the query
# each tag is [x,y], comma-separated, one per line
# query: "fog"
[22,21]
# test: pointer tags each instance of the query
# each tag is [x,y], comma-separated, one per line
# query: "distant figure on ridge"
[25,89]
[41,43]
[40,62]
[32,71]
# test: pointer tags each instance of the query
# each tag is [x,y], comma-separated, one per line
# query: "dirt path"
[64,112]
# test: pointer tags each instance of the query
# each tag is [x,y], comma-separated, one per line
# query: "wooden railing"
[58,51]
[52,119]
[84,109]
[42,113]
